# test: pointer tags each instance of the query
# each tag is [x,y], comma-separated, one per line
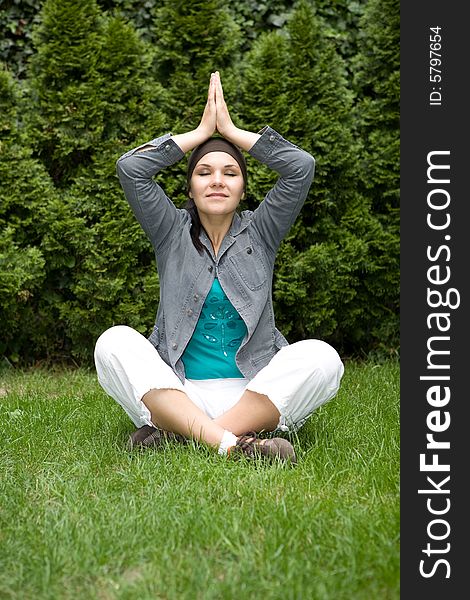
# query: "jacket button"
[210,269]
[196,297]
[249,250]
[271,138]
[174,346]
[189,312]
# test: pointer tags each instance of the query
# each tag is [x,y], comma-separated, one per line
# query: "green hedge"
[102,77]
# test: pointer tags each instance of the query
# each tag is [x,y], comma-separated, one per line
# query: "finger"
[220,90]
[211,91]
[219,96]
[211,85]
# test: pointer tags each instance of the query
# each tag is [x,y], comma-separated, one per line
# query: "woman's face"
[217,184]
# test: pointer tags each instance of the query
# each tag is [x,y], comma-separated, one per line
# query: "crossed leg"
[174,411]
[298,379]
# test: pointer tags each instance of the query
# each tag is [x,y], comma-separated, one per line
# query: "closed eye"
[203,173]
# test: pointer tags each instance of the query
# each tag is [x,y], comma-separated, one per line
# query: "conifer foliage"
[88,85]
[192,37]
[27,317]
[331,275]
[102,78]
[377,79]
[66,85]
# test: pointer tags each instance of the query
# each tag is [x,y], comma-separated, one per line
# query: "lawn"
[83,518]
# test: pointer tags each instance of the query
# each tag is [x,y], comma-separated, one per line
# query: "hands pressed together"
[216,116]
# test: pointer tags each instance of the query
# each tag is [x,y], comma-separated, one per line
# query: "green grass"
[82,518]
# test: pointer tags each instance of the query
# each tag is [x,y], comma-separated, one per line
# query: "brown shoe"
[152,437]
[274,449]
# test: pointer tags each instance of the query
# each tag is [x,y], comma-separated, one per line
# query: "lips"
[219,195]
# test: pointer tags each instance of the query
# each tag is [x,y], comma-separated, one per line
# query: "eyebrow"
[225,166]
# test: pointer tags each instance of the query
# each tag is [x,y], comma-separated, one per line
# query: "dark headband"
[216,144]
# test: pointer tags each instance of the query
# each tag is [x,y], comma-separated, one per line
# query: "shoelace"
[246,442]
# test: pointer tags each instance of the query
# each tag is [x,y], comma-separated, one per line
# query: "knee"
[319,355]
[330,363]
[326,354]
[112,339]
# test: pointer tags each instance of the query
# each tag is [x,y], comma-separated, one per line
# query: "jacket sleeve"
[153,209]
[276,214]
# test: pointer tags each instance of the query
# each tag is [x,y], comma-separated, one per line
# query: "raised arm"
[282,204]
[153,209]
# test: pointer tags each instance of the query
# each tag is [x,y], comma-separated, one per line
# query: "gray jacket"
[245,261]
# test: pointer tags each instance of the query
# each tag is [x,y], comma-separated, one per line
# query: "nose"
[217,179]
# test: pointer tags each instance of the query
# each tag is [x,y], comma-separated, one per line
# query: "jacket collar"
[239,224]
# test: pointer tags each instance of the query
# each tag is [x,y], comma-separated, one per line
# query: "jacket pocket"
[250,268]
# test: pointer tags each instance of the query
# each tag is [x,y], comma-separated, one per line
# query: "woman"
[215,368]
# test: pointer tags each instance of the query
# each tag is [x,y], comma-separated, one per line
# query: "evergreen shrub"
[332,279]
[27,319]
[101,79]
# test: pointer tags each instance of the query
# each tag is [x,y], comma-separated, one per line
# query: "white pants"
[300,378]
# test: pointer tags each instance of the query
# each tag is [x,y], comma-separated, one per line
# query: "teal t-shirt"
[210,353]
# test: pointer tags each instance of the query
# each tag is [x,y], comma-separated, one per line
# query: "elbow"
[126,168]
[308,166]
[120,166]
